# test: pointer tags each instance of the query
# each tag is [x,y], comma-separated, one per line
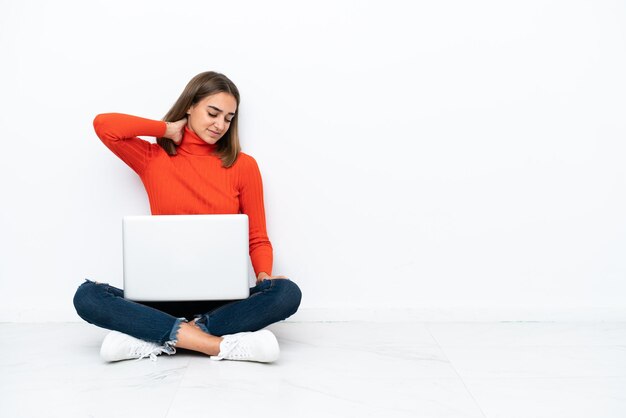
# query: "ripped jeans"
[104,305]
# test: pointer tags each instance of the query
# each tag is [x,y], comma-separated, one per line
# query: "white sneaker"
[117,346]
[250,346]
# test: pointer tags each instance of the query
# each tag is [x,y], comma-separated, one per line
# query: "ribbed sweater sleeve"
[119,133]
[251,203]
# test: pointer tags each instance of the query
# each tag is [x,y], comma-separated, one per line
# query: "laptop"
[185,257]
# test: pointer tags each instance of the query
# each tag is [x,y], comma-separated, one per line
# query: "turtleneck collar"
[193,144]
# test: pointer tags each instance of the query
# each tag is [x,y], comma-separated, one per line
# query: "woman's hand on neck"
[174,130]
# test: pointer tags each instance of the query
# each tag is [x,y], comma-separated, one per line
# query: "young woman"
[196,167]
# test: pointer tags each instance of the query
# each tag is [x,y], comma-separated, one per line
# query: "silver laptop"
[185,257]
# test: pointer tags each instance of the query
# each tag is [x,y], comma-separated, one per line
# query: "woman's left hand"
[264,276]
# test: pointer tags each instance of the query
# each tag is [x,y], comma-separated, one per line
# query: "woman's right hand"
[175,130]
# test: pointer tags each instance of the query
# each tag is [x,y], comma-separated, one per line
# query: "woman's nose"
[219,125]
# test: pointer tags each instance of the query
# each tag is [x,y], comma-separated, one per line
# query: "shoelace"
[236,350]
[150,349]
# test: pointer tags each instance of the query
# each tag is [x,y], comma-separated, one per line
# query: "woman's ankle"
[191,337]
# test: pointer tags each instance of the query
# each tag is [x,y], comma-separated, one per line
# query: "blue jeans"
[104,305]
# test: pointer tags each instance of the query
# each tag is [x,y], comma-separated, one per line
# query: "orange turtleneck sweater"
[193,181]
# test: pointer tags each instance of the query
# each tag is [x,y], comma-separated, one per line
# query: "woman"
[196,167]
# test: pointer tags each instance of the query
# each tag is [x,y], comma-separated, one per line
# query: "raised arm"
[119,132]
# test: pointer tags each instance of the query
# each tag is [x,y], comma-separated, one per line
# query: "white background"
[434,159]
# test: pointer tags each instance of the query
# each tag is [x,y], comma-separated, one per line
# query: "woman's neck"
[193,144]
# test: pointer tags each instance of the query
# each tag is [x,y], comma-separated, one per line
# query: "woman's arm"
[251,203]
[119,132]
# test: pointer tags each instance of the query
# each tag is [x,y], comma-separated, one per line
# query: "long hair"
[203,85]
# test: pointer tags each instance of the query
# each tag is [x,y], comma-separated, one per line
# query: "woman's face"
[210,118]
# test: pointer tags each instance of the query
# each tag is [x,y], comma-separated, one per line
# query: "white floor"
[341,369]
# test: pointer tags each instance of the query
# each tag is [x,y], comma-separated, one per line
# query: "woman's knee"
[86,300]
[289,295]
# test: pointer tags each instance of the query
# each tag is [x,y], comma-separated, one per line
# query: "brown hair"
[203,85]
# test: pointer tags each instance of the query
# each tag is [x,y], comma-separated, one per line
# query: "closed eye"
[215,115]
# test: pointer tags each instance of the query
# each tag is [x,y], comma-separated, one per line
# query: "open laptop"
[185,257]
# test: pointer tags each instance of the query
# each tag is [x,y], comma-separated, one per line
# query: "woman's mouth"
[214,134]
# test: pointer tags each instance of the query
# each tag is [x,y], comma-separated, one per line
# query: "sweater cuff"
[164,129]
[262,260]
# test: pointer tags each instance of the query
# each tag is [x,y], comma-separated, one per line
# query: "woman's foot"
[260,346]
[118,346]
